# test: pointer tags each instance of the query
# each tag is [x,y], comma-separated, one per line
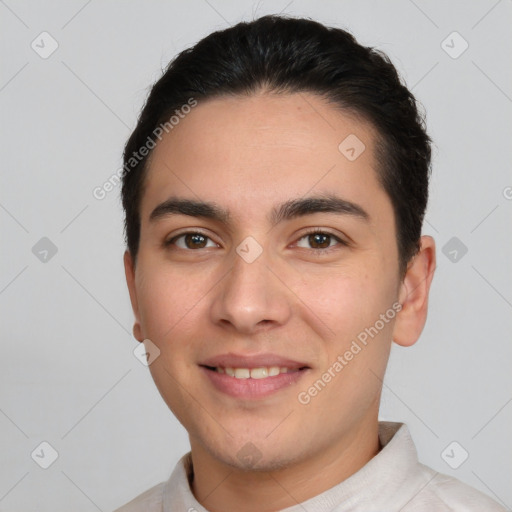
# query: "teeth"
[242,373]
[259,373]
[254,373]
[273,371]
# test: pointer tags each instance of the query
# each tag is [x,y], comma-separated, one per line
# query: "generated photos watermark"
[101,191]
[305,397]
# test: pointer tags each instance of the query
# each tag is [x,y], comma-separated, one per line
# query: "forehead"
[249,152]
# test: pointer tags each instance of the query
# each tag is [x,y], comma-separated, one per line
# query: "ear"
[413,295]
[129,271]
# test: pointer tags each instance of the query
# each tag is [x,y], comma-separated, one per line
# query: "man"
[274,191]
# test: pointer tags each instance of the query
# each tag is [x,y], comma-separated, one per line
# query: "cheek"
[170,305]
[346,301]
[168,300]
[348,308]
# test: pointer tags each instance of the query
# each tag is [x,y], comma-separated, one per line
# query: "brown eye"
[190,241]
[195,241]
[319,240]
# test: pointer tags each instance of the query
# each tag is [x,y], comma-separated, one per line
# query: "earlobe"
[413,295]
[129,271]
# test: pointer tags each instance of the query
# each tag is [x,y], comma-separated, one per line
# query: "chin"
[260,455]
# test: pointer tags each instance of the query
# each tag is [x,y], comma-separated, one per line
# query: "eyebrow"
[327,203]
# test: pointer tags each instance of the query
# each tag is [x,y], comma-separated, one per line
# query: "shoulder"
[450,494]
[148,501]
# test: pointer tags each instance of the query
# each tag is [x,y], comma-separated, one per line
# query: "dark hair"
[286,55]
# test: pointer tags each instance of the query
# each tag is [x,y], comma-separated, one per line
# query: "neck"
[219,487]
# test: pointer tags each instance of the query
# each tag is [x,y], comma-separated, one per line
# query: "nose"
[252,297]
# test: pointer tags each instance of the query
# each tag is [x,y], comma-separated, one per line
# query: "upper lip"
[231,360]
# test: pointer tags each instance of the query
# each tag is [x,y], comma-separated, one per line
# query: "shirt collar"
[376,482]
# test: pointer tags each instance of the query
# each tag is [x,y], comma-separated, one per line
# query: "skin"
[247,154]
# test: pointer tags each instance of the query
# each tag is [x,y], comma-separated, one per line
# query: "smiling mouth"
[262,372]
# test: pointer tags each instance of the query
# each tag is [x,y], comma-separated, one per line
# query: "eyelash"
[329,249]
[313,231]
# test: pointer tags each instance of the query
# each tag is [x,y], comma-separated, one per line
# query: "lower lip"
[252,388]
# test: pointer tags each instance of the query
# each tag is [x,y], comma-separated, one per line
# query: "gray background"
[68,375]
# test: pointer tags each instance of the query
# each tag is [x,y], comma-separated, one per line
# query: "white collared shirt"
[392,481]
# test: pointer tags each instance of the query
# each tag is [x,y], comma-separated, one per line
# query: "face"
[273,300]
